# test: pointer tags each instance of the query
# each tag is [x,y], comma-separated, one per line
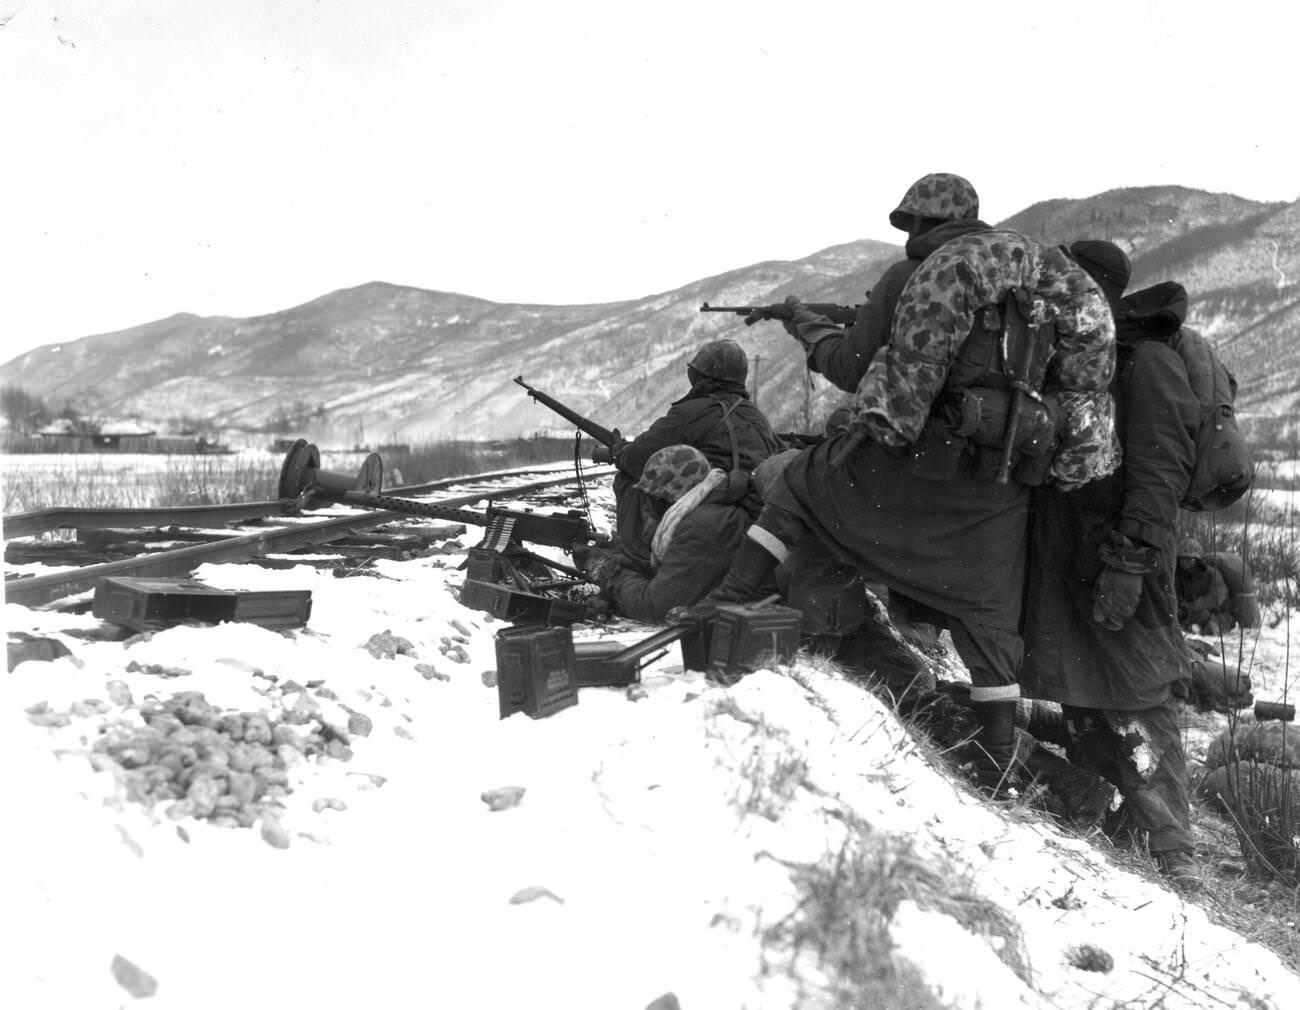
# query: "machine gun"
[502,576]
[840,315]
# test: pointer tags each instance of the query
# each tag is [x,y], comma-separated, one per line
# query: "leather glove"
[1115,597]
[1118,589]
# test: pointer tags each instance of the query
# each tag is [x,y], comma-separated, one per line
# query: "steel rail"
[26,524]
[39,589]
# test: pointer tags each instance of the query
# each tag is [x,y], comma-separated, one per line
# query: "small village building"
[61,435]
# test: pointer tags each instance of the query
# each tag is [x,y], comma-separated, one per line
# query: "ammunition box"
[151,604]
[603,664]
[744,638]
[484,565]
[1274,710]
[535,671]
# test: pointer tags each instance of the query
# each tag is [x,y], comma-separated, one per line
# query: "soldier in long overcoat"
[1101,629]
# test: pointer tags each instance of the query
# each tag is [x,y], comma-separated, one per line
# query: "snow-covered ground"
[674,838]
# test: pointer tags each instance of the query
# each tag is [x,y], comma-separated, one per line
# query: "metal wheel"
[298,471]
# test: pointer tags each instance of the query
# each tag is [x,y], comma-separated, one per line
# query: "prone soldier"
[694,532]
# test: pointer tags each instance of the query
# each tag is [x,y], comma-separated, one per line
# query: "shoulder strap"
[731,430]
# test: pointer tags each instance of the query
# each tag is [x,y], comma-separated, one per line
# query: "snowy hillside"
[780,843]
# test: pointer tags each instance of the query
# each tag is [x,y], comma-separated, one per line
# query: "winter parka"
[697,420]
[698,557]
[1069,657]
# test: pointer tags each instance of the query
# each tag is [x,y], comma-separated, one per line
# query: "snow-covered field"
[650,841]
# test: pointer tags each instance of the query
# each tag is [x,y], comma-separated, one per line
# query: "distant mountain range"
[382,362]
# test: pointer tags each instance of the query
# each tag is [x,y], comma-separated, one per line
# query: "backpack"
[1224,468]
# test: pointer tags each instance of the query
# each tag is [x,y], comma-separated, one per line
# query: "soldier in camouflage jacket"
[907,498]
[935,209]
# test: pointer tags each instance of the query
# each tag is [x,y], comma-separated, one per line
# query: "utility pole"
[754,394]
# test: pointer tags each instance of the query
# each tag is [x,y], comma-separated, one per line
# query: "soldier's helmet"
[672,471]
[722,360]
[940,195]
[1189,548]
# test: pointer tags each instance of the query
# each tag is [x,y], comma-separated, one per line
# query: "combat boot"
[1178,866]
[749,579]
[995,747]
[1083,799]
[1043,721]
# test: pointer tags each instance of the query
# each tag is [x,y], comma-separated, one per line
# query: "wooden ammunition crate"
[151,604]
[536,670]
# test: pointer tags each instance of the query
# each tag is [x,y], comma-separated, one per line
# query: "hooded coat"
[1069,657]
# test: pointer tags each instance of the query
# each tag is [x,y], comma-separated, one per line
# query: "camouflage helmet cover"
[672,471]
[1189,548]
[722,360]
[939,195]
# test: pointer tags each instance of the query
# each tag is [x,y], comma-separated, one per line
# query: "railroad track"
[222,533]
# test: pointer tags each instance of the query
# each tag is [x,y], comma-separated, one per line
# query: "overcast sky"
[244,156]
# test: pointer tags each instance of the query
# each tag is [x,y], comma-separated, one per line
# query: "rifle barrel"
[601,434]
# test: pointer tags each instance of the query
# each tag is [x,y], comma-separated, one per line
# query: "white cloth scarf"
[678,511]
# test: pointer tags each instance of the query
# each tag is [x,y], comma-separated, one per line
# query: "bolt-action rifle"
[840,315]
[608,437]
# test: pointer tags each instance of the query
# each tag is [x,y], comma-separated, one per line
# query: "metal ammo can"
[536,670]
[742,638]
[1274,710]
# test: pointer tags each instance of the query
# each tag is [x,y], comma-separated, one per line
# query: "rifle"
[840,315]
[609,438]
[1017,336]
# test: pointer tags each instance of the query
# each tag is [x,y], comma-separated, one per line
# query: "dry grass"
[844,910]
[1260,907]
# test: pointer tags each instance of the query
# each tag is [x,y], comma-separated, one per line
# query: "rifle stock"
[605,436]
